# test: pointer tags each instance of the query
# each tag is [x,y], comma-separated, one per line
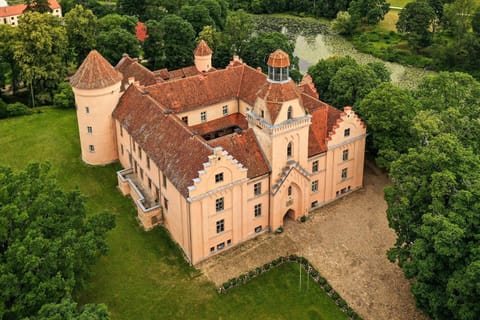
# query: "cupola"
[278,66]
[203,57]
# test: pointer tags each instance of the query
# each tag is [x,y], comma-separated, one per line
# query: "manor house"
[217,156]
[10,14]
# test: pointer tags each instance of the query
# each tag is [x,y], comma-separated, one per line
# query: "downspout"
[190,231]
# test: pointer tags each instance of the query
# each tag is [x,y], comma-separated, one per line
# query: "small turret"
[96,86]
[278,66]
[203,57]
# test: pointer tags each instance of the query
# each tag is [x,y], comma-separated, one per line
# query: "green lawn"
[145,276]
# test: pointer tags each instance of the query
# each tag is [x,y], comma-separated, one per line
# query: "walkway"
[345,241]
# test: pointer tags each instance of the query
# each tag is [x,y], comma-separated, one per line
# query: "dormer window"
[289,112]
[289,149]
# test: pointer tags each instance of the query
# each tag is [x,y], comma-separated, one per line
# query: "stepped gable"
[307,86]
[245,149]
[165,138]
[130,68]
[202,49]
[95,73]
[235,119]
[202,90]
[317,132]
[277,93]
[333,116]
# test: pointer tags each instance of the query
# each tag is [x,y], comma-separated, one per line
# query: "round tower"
[203,57]
[96,86]
[278,66]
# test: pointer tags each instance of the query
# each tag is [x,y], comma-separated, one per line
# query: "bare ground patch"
[347,242]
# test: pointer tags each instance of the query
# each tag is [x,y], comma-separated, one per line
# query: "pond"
[314,41]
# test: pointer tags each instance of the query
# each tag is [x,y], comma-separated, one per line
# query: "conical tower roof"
[95,73]
[202,49]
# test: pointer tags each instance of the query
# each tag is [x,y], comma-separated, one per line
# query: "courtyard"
[346,242]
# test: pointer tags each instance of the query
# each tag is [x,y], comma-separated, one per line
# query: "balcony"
[149,211]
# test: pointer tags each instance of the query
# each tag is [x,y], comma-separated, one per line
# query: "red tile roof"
[244,148]
[277,93]
[165,138]
[17,9]
[202,49]
[131,68]
[95,73]
[278,59]
[308,87]
[141,31]
[235,119]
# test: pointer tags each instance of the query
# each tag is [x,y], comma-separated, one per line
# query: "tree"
[113,21]
[343,24]
[47,243]
[67,309]
[178,42]
[217,11]
[260,47]
[388,112]
[64,97]
[198,16]
[131,8]
[458,16]
[8,64]
[114,43]
[40,51]
[416,19]
[368,11]
[324,70]
[81,27]
[238,29]
[433,206]
[41,6]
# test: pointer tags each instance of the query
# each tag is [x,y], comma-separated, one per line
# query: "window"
[258,210]
[121,149]
[315,186]
[89,129]
[229,242]
[185,119]
[219,204]
[165,203]
[148,162]
[91,148]
[262,114]
[139,153]
[315,166]
[149,183]
[121,131]
[133,146]
[225,110]
[346,133]
[344,173]
[141,173]
[289,149]
[164,181]
[203,116]
[220,225]
[258,229]
[289,191]
[219,177]
[257,188]
[289,112]
[314,204]
[87,109]
[220,246]
[345,155]
[212,249]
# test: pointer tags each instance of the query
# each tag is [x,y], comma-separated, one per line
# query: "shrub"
[233,281]
[226,285]
[251,274]
[258,270]
[17,109]
[341,303]
[279,230]
[292,257]
[327,288]
[303,218]
[274,262]
[335,296]
[64,97]
[322,281]
[314,273]
[266,266]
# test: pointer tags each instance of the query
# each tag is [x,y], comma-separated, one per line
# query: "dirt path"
[347,242]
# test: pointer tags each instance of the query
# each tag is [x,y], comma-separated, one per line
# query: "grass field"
[145,276]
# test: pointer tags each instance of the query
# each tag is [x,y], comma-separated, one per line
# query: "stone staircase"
[286,172]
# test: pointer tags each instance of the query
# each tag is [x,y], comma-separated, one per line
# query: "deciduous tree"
[416,19]
[47,243]
[81,27]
